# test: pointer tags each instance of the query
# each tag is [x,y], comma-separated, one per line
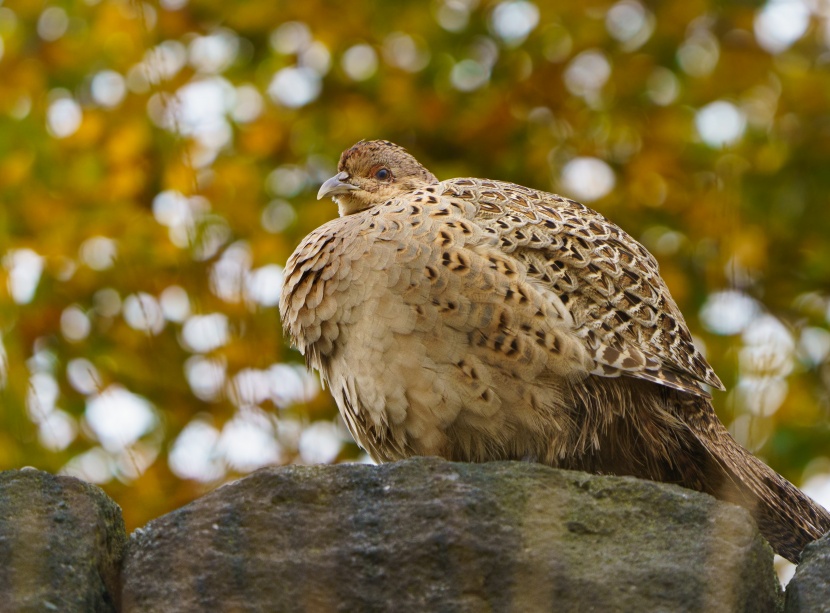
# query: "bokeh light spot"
[63,117]
[75,324]
[514,20]
[320,443]
[99,252]
[587,178]
[24,268]
[780,23]
[142,312]
[83,376]
[195,455]
[587,73]
[728,312]
[294,87]
[204,333]
[469,75]
[119,418]
[360,62]
[175,303]
[205,376]
[108,88]
[52,23]
[720,123]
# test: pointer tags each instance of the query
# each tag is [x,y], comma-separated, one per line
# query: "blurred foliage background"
[159,162]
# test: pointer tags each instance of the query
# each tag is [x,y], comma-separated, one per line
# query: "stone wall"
[419,535]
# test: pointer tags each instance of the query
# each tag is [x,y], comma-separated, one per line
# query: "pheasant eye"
[383,174]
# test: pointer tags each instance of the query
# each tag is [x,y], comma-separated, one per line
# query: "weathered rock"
[809,589]
[428,535]
[61,544]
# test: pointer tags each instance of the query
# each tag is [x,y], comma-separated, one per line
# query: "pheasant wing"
[611,284]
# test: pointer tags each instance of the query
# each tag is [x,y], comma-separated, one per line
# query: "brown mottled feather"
[481,320]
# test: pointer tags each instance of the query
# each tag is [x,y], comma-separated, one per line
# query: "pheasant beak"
[335,186]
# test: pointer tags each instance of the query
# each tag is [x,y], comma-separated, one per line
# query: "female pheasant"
[480,320]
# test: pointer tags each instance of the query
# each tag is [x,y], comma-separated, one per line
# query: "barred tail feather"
[788,518]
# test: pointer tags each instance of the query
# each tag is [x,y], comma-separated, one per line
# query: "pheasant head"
[372,172]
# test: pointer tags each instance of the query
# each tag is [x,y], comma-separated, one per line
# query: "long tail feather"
[787,517]
[676,437]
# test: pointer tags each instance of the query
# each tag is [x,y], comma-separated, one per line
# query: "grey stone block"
[429,535]
[809,589]
[61,544]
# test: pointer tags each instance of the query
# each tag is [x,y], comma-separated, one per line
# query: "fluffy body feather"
[480,320]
